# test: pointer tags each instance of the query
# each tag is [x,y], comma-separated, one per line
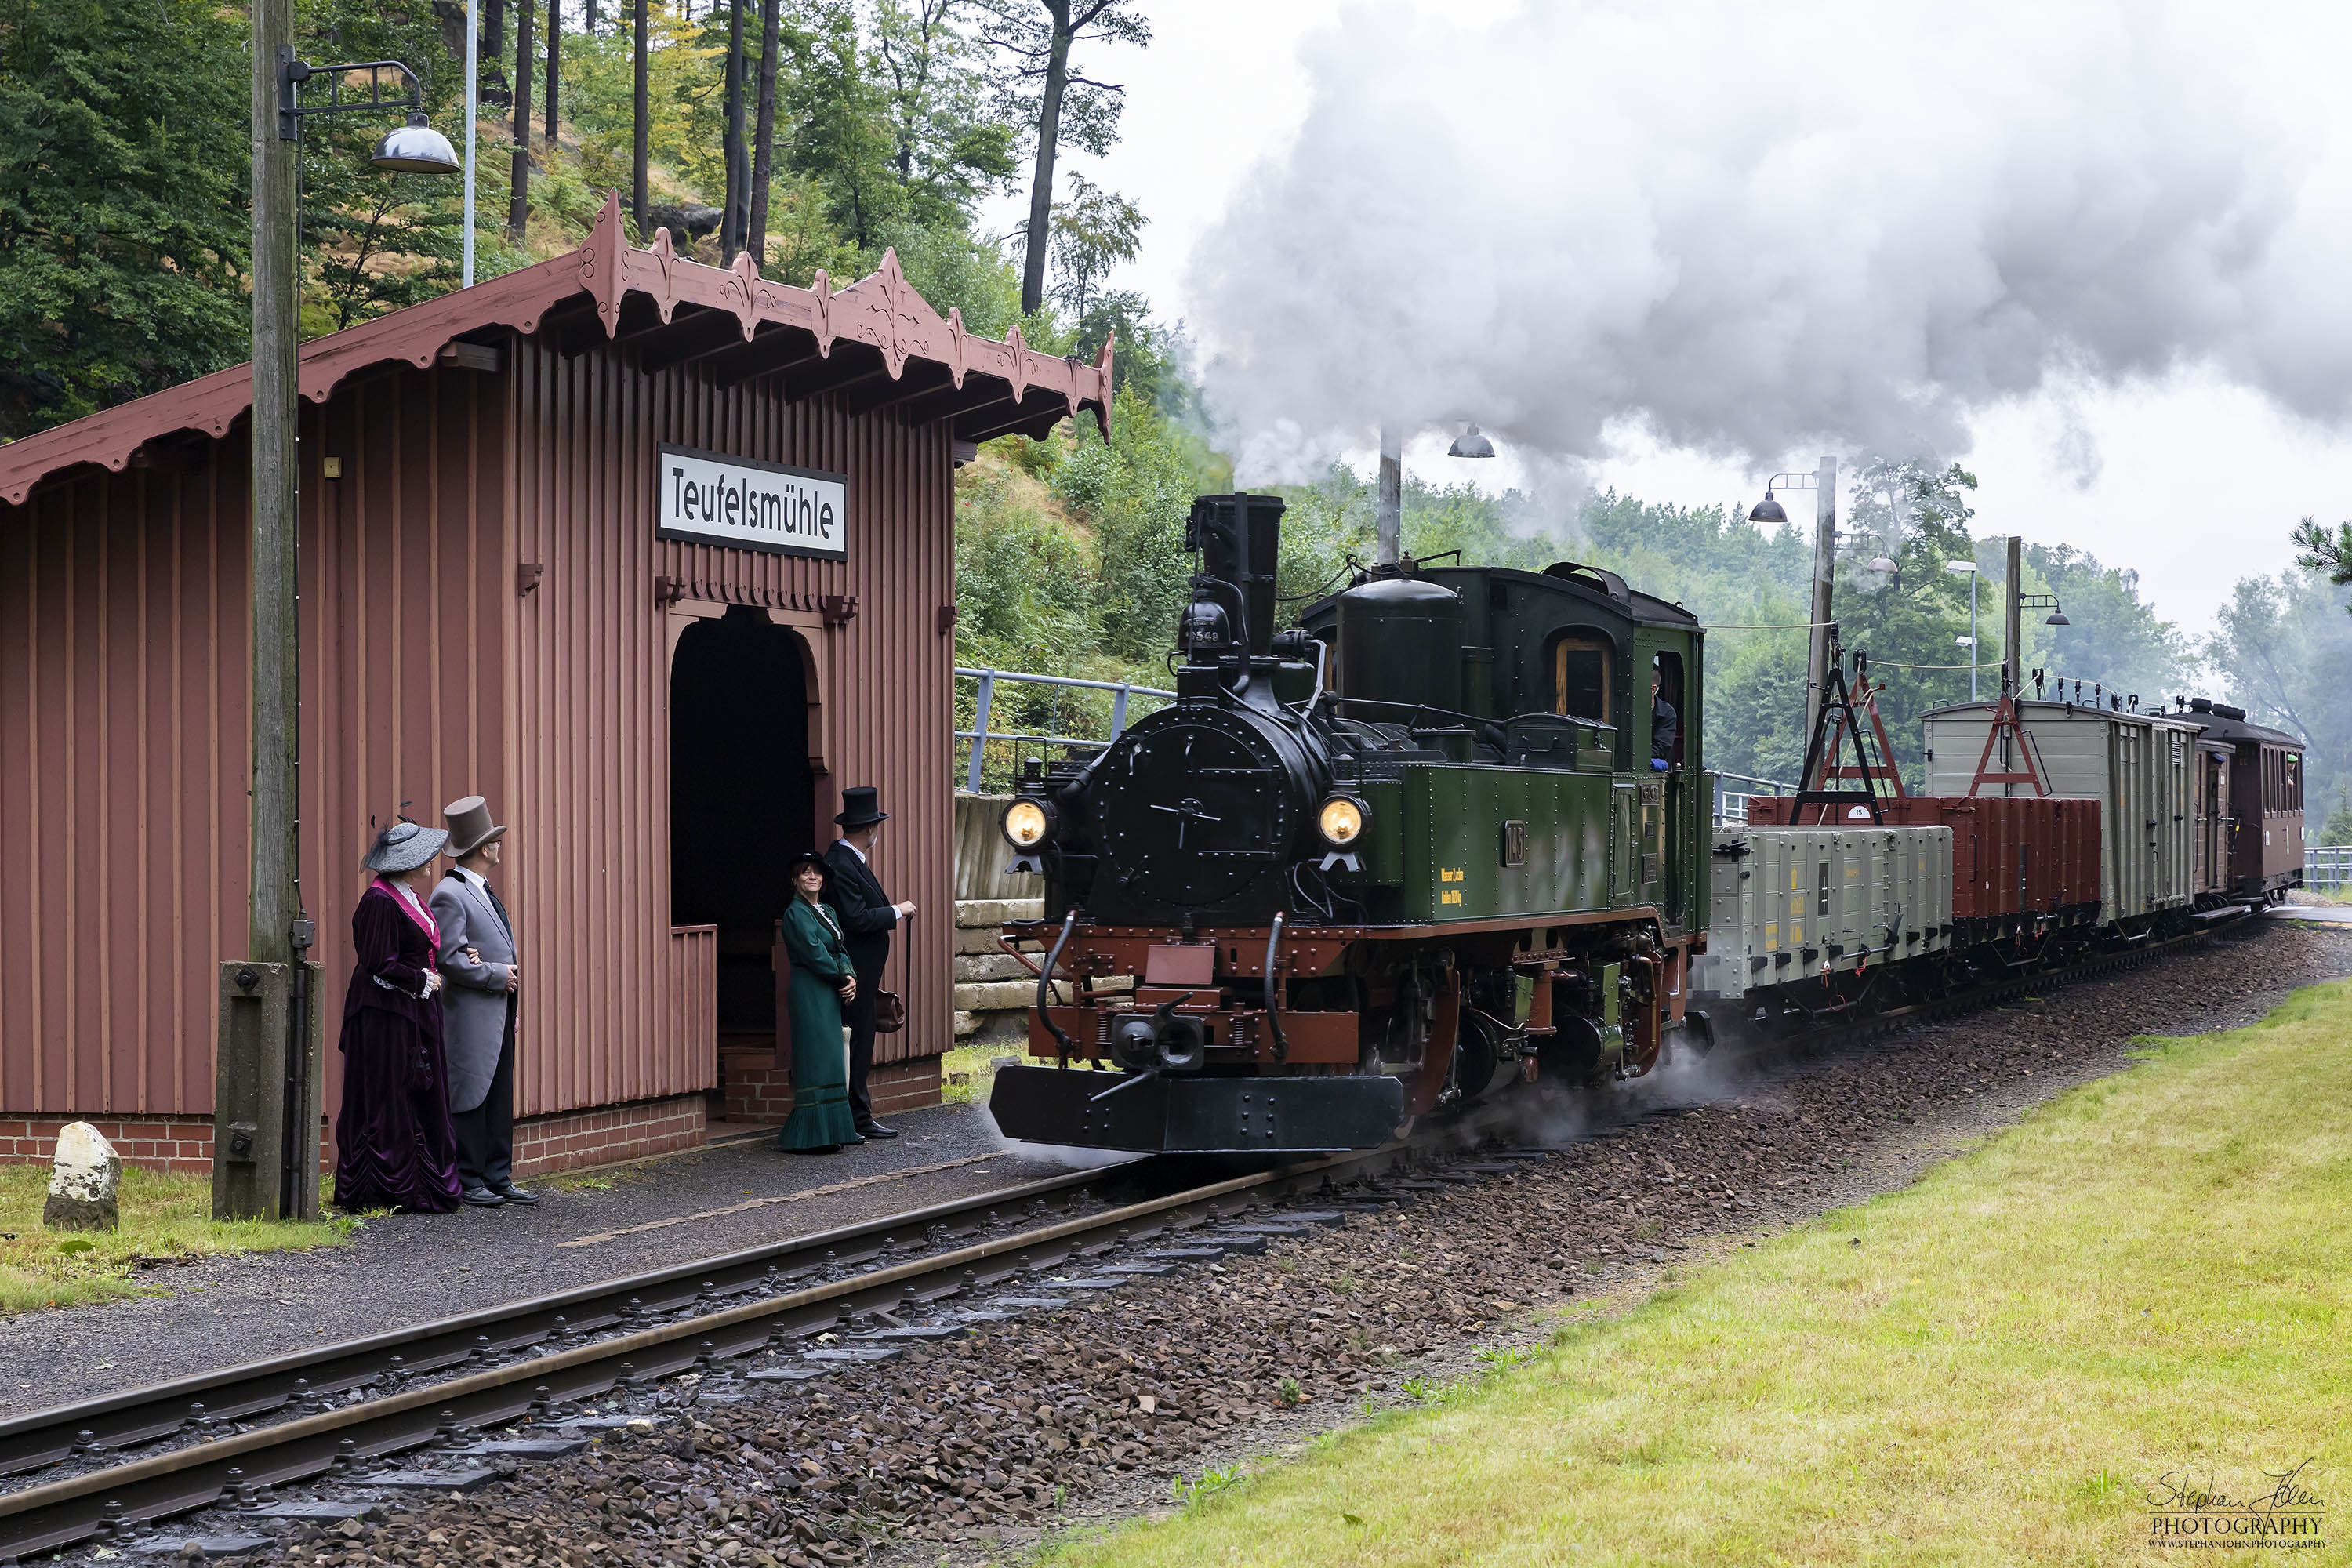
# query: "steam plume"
[1757,228]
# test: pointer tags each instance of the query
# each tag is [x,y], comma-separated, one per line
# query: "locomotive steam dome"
[1400,642]
[1195,803]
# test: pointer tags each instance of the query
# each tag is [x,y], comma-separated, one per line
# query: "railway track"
[103,1469]
[229,1438]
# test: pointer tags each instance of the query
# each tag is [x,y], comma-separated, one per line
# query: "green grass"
[976,1066]
[2151,1275]
[968,1072]
[166,1217]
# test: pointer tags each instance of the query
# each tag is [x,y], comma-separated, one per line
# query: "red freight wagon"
[2018,862]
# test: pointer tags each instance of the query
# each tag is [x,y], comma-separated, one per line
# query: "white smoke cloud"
[1746,229]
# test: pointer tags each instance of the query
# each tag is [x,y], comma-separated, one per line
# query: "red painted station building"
[655,555]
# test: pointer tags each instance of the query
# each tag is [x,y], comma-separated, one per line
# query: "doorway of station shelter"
[742,801]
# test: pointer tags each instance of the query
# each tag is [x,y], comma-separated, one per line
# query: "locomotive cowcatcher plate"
[1186,1114]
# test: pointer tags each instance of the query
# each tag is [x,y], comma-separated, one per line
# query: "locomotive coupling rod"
[1046,990]
[1273,1007]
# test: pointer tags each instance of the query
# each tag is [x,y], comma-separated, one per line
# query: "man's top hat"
[861,806]
[470,826]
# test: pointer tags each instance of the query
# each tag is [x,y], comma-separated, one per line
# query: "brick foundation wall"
[753,1093]
[752,1089]
[606,1134]
[904,1086]
[158,1143]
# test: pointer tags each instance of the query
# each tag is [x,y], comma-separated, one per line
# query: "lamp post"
[1970,567]
[1822,482]
[265,1087]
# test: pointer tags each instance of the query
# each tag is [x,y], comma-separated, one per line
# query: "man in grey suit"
[477,1010]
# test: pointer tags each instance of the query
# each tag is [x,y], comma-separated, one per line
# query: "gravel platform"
[965,1448]
[413,1269]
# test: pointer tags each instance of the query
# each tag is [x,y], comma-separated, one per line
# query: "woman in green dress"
[822,981]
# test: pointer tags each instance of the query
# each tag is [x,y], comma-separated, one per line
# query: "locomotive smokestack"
[1390,540]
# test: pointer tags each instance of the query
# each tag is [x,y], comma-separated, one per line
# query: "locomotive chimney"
[1233,610]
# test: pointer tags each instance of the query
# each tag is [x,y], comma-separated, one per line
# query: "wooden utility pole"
[277,677]
[2012,639]
[1387,523]
[765,135]
[637,154]
[1817,646]
[519,205]
[265,1065]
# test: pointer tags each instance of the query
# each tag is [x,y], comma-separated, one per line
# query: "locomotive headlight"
[1027,824]
[1341,820]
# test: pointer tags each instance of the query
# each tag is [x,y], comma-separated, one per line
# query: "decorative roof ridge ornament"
[1019,346]
[820,307]
[664,252]
[600,264]
[747,280]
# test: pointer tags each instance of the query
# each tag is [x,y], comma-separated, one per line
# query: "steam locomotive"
[1420,847]
[1431,843]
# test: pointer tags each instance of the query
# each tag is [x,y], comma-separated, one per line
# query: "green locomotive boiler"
[1437,839]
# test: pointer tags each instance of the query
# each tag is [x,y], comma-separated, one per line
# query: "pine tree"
[123,237]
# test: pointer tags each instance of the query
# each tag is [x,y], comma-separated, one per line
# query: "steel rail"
[137,1417]
[103,1502]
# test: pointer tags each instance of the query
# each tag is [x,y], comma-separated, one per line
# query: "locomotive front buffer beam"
[1153,1112]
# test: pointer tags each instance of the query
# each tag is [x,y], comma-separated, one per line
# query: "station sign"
[708,498]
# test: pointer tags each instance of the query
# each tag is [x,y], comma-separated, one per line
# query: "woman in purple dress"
[395,1148]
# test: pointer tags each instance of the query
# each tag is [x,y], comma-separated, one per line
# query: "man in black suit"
[866,915]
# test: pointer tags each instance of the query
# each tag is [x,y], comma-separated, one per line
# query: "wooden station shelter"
[655,555]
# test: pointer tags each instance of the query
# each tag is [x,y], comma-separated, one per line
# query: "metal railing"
[2328,867]
[993,752]
[1731,804]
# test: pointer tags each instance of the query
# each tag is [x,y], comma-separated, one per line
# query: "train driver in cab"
[1666,725]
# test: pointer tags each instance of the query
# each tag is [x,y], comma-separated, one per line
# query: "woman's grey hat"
[403,846]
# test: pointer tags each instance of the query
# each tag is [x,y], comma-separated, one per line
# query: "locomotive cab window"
[1583,671]
[1668,725]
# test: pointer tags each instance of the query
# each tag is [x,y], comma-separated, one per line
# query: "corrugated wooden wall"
[124,767]
[407,586]
[124,686]
[591,695]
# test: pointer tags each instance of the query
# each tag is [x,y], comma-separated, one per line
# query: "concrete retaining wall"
[980,852]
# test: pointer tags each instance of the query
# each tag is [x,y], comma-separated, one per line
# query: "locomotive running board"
[1187,1115]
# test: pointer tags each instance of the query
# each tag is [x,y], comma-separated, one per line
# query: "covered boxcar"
[2137,766]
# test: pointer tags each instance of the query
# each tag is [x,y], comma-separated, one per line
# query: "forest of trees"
[817,133]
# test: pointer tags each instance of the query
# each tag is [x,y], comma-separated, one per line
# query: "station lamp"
[415,148]
[1470,444]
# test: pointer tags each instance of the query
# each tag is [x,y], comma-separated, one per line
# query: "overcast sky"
[2097,260]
